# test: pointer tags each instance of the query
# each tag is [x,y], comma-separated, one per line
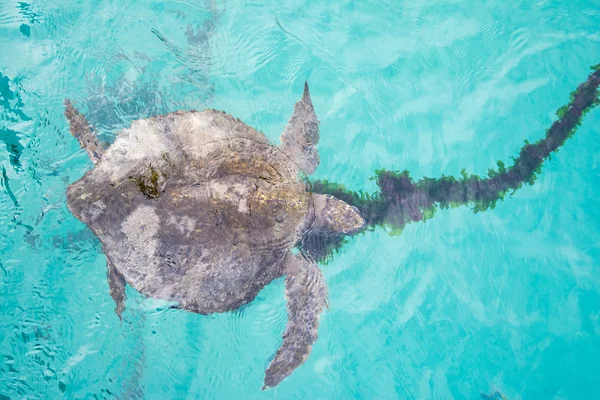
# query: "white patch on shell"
[94,210]
[148,141]
[140,227]
[185,225]
[142,144]
[233,193]
[243,206]
[195,130]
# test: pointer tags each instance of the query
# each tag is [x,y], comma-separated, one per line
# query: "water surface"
[465,303]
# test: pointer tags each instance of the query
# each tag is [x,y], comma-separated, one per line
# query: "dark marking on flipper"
[301,135]
[116,284]
[306,294]
[80,129]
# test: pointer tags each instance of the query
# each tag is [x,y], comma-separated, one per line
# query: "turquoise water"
[464,303]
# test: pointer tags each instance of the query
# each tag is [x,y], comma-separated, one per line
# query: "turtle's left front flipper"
[80,128]
[306,294]
[301,135]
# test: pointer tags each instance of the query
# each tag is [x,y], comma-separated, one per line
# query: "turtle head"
[336,216]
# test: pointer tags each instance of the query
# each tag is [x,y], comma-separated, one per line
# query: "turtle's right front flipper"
[80,128]
[306,294]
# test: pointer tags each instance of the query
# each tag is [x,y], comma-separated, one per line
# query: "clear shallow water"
[503,300]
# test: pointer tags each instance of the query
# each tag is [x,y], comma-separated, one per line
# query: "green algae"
[148,185]
[402,200]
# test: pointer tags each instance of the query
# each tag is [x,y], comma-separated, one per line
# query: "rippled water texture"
[464,303]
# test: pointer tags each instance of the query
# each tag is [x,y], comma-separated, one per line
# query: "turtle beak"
[352,222]
[336,216]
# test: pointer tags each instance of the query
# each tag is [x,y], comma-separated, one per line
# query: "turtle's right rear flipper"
[80,128]
[116,284]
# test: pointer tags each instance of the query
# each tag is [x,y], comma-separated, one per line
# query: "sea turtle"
[196,207]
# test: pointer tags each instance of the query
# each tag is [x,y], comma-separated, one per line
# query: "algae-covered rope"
[402,200]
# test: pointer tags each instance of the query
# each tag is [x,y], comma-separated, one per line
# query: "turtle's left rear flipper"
[306,294]
[80,128]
